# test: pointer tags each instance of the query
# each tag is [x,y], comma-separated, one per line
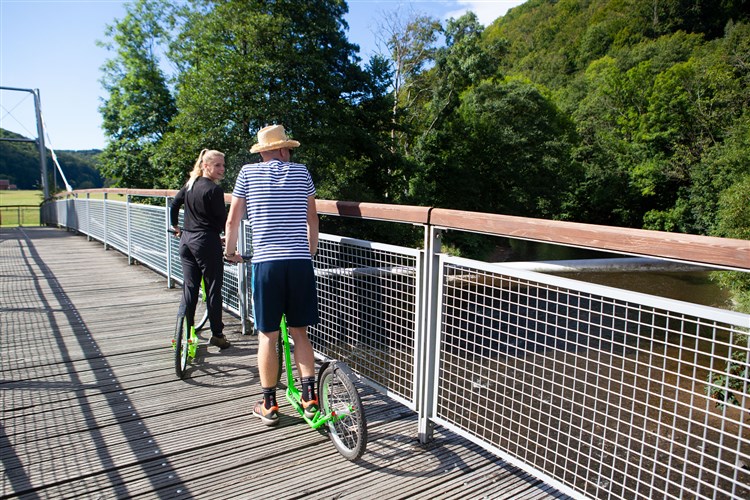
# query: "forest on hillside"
[19,163]
[631,113]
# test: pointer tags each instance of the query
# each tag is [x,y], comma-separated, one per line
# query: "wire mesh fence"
[367,301]
[605,390]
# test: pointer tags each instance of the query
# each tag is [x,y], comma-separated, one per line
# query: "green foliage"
[139,107]
[733,221]
[19,162]
[412,46]
[734,210]
[660,113]
[725,386]
[242,65]
[620,112]
[483,143]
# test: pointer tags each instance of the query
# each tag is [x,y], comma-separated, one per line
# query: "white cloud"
[486,10]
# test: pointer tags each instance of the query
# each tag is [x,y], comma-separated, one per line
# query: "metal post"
[104,217]
[88,216]
[75,209]
[242,280]
[127,228]
[428,340]
[40,143]
[170,280]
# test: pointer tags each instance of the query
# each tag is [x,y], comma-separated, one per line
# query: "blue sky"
[50,45]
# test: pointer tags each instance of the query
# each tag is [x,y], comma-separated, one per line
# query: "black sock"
[308,388]
[269,397]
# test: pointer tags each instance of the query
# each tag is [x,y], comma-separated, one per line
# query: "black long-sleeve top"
[204,207]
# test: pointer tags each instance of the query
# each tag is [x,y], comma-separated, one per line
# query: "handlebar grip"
[245,259]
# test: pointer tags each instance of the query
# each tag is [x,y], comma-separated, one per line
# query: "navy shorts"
[284,287]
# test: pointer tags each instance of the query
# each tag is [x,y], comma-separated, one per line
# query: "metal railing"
[19,215]
[600,392]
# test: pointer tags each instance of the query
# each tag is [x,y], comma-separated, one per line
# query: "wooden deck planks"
[92,407]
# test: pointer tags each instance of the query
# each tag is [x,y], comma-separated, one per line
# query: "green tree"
[486,143]
[505,150]
[19,163]
[243,65]
[464,61]
[613,102]
[411,45]
[139,107]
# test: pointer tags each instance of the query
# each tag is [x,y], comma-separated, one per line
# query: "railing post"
[427,341]
[242,279]
[88,216]
[127,228]
[170,281]
[104,217]
[75,213]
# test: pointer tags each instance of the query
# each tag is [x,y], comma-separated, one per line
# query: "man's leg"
[268,361]
[304,357]
[268,368]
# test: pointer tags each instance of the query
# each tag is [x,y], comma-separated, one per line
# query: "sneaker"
[269,416]
[310,407]
[220,342]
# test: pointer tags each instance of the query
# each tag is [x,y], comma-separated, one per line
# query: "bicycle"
[201,308]
[340,408]
[185,341]
[185,344]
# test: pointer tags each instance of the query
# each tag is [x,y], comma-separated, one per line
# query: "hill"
[658,94]
[19,163]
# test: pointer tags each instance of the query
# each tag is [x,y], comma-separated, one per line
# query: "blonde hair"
[206,154]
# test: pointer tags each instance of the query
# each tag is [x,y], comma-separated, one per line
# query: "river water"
[690,286]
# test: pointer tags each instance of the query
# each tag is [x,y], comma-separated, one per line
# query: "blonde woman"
[200,239]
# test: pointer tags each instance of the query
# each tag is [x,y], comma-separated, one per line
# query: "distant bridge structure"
[40,136]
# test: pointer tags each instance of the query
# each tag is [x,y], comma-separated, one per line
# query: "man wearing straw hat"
[279,199]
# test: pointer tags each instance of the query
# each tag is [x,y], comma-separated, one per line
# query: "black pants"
[201,255]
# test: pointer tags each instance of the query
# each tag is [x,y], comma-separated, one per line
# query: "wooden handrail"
[708,250]
[123,191]
[377,211]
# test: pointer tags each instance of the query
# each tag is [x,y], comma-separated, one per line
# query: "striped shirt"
[276,194]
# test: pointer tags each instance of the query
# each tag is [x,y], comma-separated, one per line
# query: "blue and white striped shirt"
[276,194]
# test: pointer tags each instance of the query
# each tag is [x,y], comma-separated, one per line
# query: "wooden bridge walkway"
[92,407]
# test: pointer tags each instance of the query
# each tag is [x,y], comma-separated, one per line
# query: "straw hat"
[273,137]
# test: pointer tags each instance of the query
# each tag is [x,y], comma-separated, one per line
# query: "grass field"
[19,208]
[20,198]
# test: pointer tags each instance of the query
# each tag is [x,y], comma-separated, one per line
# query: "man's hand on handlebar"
[234,258]
[237,258]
